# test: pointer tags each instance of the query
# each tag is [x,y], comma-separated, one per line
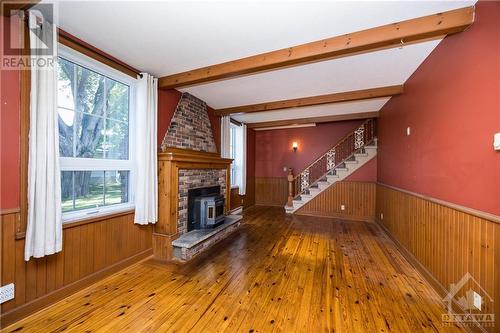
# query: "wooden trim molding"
[463,209]
[25,87]
[169,163]
[7,7]
[387,36]
[188,155]
[323,119]
[357,197]
[428,276]
[443,241]
[81,46]
[71,41]
[8,211]
[233,121]
[87,220]
[26,309]
[88,250]
[315,100]
[411,258]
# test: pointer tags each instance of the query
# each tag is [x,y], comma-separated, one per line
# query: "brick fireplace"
[196,178]
[190,127]
[188,160]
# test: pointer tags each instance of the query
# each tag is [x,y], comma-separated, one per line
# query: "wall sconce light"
[295,146]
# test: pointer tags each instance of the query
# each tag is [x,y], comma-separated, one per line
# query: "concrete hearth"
[194,242]
[178,171]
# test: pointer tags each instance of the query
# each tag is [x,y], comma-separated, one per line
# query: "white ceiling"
[370,105]
[369,70]
[167,37]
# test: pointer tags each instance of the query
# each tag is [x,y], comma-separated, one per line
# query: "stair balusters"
[289,202]
[344,149]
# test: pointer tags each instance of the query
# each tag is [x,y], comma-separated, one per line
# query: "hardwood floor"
[276,273]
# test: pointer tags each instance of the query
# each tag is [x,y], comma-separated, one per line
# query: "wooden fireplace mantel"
[193,156]
[169,163]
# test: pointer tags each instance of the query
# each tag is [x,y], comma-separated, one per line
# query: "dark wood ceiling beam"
[347,96]
[7,8]
[309,120]
[387,36]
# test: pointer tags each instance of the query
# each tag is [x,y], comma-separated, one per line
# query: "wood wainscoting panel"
[249,198]
[236,200]
[90,252]
[244,201]
[358,199]
[446,242]
[271,191]
[300,274]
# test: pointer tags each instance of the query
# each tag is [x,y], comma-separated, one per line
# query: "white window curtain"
[225,136]
[44,228]
[146,176]
[241,158]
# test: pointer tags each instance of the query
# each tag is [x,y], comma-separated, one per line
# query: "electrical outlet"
[6,292]
[342,207]
[477,301]
[496,141]
[381,216]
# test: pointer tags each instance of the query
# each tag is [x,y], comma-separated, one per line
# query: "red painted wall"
[367,173]
[215,123]
[9,137]
[452,105]
[250,153]
[273,148]
[167,102]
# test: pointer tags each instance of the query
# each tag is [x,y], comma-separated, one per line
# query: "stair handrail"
[326,173]
[362,135]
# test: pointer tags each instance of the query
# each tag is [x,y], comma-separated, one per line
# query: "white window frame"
[232,151]
[94,164]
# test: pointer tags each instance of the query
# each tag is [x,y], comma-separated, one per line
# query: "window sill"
[75,222]
[98,216]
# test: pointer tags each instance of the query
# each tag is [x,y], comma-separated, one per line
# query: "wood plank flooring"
[277,273]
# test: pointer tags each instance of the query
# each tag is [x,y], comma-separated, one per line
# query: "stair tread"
[332,176]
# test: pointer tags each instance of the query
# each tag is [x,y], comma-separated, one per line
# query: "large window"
[95,119]
[232,153]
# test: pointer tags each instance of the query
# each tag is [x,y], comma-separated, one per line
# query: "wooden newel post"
[289,202]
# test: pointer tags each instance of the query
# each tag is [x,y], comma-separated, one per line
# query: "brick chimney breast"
[190,126]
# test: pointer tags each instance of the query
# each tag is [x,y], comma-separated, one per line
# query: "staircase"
[340,161]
